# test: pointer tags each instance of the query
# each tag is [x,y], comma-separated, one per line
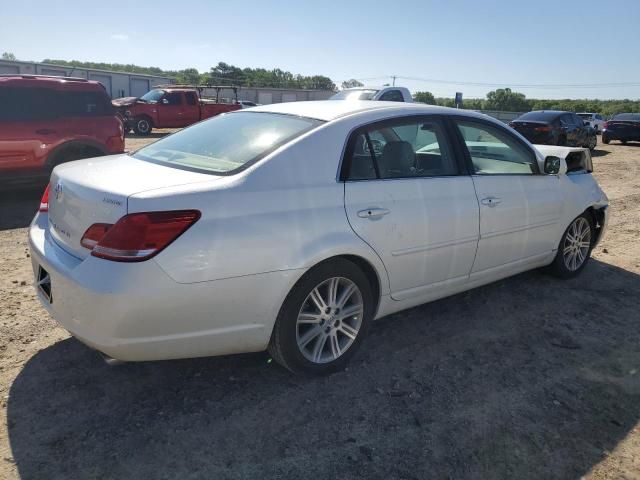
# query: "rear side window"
[495,151]
[191,98]
[400,149]
[24,104]
[33,104]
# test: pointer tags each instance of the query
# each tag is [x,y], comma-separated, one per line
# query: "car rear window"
[586,116]
[635,117]
[538,116]
[25,104]
[227,143]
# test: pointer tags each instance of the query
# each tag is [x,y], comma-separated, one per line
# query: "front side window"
[86,104]
[226,143]
[400,149]
[495,151]
[392,96]
[172,98]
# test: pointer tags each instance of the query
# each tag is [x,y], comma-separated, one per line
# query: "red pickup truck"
[172,106]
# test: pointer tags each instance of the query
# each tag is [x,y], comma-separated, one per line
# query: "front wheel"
[142,126]
[323,319]
[575,247]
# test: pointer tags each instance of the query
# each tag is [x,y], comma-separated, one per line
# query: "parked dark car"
[550,127]
[623,127]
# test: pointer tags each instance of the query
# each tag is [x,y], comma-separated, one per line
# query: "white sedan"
[290,227]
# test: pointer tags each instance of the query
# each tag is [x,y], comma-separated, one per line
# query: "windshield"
[354,94]
[627,116]
[227,143]
[152,96]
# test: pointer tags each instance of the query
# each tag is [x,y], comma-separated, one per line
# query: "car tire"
[605,139]
[562,141]
[142,126]
[593,142]
[312,335]
[575,248]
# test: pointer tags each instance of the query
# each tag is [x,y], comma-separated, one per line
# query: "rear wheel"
[323,319]
[142,126]
[605,139]
[574,250]
[593,141]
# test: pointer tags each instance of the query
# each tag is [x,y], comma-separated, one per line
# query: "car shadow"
[599,153]
[525,378]
[18,206]
[153,134]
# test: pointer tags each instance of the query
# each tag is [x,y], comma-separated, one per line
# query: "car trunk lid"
[96,191]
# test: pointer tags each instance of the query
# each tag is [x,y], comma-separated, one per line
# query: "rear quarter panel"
[286,212]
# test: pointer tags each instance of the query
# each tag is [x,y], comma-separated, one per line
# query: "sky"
[544,49]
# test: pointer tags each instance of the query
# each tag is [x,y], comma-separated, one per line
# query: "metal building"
[117,84]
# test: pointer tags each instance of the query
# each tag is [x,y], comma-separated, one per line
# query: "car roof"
[328,110]
[53,82]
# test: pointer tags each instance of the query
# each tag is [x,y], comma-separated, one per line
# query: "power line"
[514,85]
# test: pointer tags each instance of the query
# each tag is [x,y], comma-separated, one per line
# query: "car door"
[170,110]
[191,108]
[406,198]
[582,131]
[569,128]
[519,207]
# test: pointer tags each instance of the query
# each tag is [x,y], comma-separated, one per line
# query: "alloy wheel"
[329,320]
[577,244]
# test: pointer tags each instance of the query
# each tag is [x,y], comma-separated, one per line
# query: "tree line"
[222,74]
[506,100]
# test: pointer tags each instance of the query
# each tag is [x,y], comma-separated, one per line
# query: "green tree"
[425,97]
[507,101]
[8,56]
[353,83]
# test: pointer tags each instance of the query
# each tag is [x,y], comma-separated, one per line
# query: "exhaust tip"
[112,362]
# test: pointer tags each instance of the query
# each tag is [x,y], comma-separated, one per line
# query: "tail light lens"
[543,129]
[44,201]
[605,125]
[138,236]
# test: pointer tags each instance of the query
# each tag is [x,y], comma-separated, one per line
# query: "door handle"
[373,213]
[45,131]
[491,201]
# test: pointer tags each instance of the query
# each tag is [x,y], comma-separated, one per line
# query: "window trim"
[467,156]
[345,161]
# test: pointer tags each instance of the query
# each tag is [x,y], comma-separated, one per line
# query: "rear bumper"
[135,311]
[620,135]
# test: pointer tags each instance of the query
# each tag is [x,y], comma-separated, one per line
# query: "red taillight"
[543,129]
[138,236]
[605,125]
[94,234]
[44,201]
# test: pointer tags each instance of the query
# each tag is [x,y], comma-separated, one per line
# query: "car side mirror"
[553,165]
[165,101]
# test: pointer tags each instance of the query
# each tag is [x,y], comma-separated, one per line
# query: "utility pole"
[394,80]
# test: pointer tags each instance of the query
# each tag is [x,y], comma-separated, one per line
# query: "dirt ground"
[527,378]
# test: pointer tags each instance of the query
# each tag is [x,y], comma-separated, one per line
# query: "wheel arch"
[73,144]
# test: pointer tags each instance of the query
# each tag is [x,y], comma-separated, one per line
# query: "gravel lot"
[531,377]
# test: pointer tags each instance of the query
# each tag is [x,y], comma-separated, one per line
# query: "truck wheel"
[142,126]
